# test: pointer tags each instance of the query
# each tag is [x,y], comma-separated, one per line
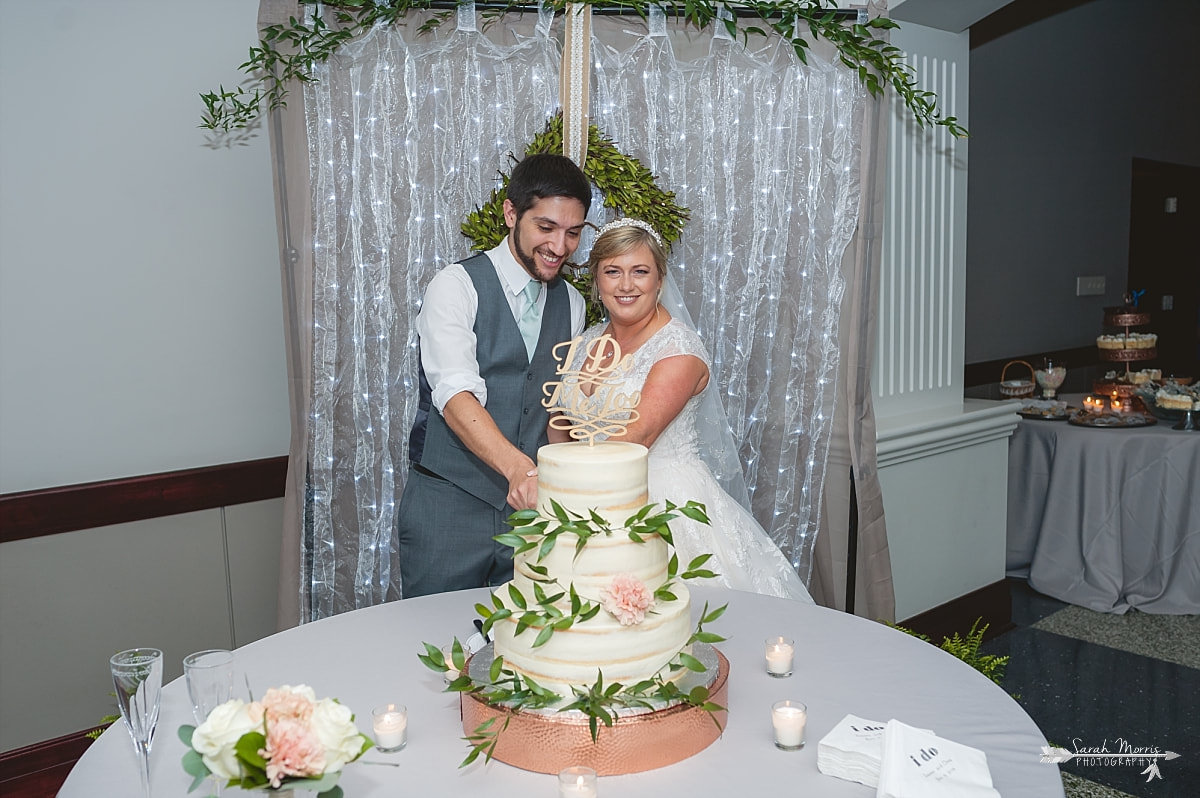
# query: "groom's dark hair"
[547,175]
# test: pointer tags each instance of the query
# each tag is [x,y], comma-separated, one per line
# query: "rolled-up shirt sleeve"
[446,327]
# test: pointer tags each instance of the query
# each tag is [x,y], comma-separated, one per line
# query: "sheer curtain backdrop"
[405,134]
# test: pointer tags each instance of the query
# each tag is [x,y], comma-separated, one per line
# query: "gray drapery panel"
[406,134]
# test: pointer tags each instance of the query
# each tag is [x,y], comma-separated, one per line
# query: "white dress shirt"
[446,324]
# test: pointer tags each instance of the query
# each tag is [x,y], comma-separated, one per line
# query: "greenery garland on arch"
[628,187]
[289,52]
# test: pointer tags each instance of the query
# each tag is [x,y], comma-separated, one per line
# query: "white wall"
[140,313]
[69,602]
[140,331]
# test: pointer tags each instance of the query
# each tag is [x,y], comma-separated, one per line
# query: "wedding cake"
[633,636]
[592,659]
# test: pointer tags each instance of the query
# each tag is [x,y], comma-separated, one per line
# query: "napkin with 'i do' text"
[919,764]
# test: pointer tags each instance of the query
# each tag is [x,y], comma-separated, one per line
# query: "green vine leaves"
[288,52]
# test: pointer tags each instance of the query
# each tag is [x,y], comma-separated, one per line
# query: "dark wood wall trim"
[117,501]
[992,603]
[39,770]
[988,371]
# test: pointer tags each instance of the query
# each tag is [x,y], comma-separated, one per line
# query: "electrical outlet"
[1168,302]
[1089,286]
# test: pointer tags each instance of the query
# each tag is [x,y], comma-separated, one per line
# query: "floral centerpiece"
[288,740]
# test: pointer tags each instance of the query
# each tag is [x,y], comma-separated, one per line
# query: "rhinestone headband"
[631,222]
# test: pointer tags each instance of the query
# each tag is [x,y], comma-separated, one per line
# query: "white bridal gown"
[744,556]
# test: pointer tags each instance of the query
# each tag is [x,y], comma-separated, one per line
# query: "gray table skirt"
[1107,519]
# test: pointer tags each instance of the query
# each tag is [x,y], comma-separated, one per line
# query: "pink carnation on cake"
[627,598]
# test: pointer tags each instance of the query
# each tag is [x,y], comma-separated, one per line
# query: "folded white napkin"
[919,764]
[852,750]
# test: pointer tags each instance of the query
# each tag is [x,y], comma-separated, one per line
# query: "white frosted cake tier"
[608,477]
[625,654]
[593,569]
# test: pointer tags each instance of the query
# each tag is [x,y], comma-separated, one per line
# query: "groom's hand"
[522,488]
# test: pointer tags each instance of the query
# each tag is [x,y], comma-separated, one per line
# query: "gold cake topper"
[597,412]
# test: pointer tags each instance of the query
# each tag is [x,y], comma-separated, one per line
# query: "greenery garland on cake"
[288,52]
[600,702]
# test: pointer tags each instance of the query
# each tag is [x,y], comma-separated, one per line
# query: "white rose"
[334,725]
[215,738]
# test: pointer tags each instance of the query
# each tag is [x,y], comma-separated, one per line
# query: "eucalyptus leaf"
[185,734]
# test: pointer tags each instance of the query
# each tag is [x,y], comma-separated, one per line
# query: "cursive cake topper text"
[599,410]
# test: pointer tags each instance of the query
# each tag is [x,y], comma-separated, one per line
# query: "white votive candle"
[577,782]
[789,719]
[451,672]
[390,723]
[780,651]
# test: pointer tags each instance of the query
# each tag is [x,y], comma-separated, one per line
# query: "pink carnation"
[627,598]
[288,703]
[292,750]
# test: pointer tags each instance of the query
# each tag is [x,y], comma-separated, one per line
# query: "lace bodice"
[743,556]
[679,439]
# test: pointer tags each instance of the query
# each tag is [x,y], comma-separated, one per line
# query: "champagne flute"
[137,676]
[209,676]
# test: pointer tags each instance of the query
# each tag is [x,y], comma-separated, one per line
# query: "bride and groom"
[480,422]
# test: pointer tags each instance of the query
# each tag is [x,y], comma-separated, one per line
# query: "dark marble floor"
[1095,680]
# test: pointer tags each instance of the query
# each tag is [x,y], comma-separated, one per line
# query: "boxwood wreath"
[628,187]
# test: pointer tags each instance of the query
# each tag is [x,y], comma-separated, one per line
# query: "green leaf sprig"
[288,53]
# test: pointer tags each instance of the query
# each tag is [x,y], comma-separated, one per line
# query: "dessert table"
[844,664]
[1107,519]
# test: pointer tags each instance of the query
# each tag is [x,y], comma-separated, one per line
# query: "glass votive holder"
[780,651]
[577,782]
[390,724]
[452,672]
[788,718]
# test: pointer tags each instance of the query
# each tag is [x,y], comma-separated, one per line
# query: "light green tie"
[530,322]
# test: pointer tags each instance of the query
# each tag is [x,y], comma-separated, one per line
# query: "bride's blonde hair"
[618,241]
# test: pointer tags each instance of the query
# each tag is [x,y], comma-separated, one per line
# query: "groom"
[487,327]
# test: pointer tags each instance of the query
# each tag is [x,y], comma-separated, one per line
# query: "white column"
[942,461]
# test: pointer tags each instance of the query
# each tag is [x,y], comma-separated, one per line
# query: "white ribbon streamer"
[466,17]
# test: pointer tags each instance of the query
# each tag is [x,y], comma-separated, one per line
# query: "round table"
[844,664]
[1106,518]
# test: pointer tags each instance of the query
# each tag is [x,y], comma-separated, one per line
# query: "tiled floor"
[1093,679]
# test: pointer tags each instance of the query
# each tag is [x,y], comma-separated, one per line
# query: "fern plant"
[967,649]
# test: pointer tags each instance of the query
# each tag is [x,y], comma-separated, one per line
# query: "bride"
[671,369]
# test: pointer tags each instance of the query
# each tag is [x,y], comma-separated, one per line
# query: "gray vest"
[514,386]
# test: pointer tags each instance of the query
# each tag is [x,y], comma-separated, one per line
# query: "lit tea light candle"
[577,782]
[1117,406]
[788,718]
[390,724]
[451,672]
[780,651]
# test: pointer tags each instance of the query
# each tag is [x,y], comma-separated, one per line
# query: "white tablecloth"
[844,665]
[1107,519]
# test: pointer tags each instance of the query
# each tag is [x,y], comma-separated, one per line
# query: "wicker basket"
[1017,389]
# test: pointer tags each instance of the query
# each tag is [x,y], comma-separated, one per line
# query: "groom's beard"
[526,258]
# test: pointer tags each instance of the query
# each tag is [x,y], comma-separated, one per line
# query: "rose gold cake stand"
[547,743]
